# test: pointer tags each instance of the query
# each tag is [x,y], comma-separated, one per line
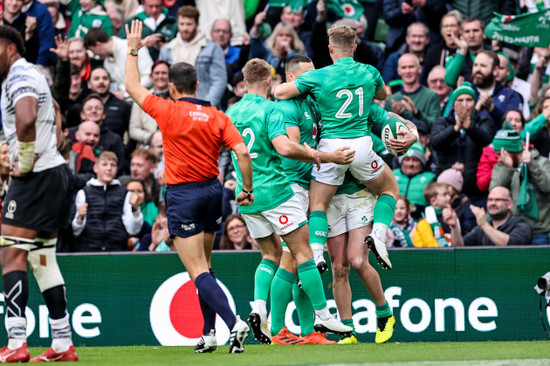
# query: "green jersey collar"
[345,60]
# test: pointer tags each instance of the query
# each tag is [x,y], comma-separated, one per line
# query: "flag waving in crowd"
[530,29]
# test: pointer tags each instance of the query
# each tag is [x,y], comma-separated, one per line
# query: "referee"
[193,132]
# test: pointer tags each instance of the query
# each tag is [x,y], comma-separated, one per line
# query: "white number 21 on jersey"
[349,97]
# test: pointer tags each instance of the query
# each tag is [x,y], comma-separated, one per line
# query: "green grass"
[445,353]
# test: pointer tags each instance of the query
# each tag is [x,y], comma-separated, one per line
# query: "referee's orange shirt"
[192,133]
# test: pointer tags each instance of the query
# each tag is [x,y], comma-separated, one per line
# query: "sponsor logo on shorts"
[175,313]
[320,233]
[287,226]
[283,219]
[12,206]
[188,227]
[364,219]
[374,165]
[219,220]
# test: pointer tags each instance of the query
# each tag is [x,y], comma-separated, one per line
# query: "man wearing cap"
[503,227]
[461,137]
[413,100]
[411,176]
[506,174]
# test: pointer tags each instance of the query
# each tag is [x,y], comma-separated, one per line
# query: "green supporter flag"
[345,8]
[527,201]
[529,30]
[295,5]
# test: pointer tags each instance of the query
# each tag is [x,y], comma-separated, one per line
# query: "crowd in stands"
[479,174]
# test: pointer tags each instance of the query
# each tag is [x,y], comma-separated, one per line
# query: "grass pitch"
[536,353]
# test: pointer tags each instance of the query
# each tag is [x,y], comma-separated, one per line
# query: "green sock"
[384,209]
[262,279]
[318,227]
[306,314]
[348,322]
[383,311]
[312,284]
[281,293]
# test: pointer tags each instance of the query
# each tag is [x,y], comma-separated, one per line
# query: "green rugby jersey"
[344,92]
[301,112]
[259,121]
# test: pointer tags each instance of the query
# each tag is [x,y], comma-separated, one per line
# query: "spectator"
[128,7]
[460,203]
[105,212]
[539,128]
[116,15]
[413,101]
[532,167]
[432,231]
[469,45]
[94,111]
[489,156]
[61,27]
[158,239]
[282,44]
[235,234]
[136,187]
[156,147]
[399,14]
[296,20]
[436,82]
[417,41]
[142,167]
[461,136]
[117,111]
[79,57]
[24,24]
[232,10]
[45,31]
[192,47]
[506,75]
[142,126]
[439,54]
[402,224]
[412,178]
[503,228]
[113,53]
[83,154]
[162,28]
[87,14]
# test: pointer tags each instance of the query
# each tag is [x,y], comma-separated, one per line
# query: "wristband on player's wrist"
[247,192]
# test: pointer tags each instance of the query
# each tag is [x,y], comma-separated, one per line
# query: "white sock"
[260,307]
[15,343]
[61,334]
[323,314]
[60,345]
[379,231]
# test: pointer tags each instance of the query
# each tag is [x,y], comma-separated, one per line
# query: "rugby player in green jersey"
[344,92]
[275,209]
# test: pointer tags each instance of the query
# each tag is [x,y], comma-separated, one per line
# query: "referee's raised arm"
[133,81]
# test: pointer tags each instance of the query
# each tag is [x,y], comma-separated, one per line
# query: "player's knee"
[357,262]
[44,266]
[340,271]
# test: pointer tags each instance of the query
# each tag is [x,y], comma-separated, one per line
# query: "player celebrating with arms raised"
[192,133]
[344,92]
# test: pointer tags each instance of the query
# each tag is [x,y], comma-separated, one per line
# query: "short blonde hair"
[341,37]
[256,70]
[296,45]
[106,155]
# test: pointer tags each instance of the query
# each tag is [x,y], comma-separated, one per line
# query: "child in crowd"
[432,231]
[106,213]
[402,224]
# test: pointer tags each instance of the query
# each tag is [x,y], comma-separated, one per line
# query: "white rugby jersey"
[25,80]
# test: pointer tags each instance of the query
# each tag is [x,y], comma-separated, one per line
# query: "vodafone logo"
[176,316]
[283,219]
[374,165]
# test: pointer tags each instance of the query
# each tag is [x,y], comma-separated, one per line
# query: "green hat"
[507,138]
[416,151]
[464,88]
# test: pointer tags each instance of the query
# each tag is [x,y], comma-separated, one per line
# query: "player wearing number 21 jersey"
[344,92]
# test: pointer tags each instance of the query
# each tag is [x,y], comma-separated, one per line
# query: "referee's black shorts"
[194,207]
[40,201]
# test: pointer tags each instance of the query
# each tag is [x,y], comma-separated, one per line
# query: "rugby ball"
[389,131]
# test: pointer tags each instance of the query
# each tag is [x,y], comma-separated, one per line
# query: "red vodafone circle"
[283,219]
[374,164]
[185,311]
